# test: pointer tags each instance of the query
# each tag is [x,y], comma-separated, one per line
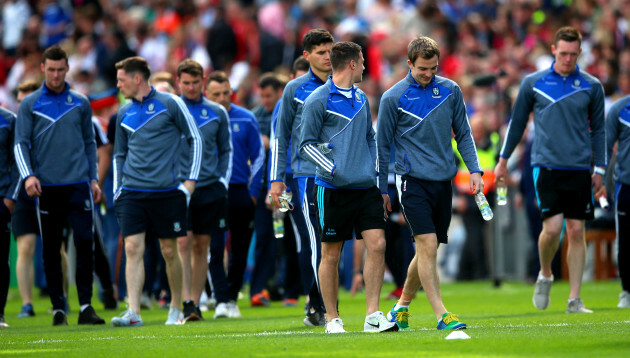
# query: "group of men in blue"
[177,160]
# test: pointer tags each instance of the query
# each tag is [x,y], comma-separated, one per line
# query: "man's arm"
[257,159]
[598,135]
[188,127]
[386,128]
[312,122]
[120,153]
[21,149]
[224,146]
[280,143]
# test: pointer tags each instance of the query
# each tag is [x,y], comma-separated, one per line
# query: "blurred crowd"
[487,46]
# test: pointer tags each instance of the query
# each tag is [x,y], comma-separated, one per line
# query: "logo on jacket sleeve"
[357,96]
[204,113]
[151,108]
[69,99]
[577,83]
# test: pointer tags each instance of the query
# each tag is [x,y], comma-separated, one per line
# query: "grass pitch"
[502,323]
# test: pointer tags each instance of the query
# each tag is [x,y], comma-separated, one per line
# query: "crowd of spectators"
[487,45]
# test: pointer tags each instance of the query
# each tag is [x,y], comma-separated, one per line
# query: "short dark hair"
[300,64]
[28,86]
[163,76]
[270,79]
[190,67]
[54,53]
[316,37]
[218,76]
[422,46]
[135,64]
[568,34]
[342,53]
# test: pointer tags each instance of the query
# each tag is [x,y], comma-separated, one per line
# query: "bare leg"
[199,265]
[184,246]
[329,277]
[24,267]
[134,269]
[548,242]
[426,254]
[173,270]
[576,255]
[374,267]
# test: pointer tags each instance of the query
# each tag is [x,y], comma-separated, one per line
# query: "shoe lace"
[450,317]
[402,316]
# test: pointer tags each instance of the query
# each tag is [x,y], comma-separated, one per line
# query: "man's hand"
[33,187]
[190,186]
[277,188]
[476,183]
[387,205]
[500,171]
[96,191]
[10,204]
[597,181]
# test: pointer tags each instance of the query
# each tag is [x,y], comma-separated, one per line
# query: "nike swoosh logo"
[378,325]
[132,322]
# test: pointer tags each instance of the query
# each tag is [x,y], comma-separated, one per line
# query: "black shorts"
[340,211]
[24,219]
[565,192]
[427,205]
[207,211]
[164,212]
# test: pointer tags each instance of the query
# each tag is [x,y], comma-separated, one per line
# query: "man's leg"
[184,246]
[426,259]
[25,271]
[173,270]
[548,242]
[576,255]
[134,269]
[374,267]
[199,262]
[329,276]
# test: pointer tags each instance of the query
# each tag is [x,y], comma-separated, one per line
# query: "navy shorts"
[427,205]
[207,211]
[565,192]
[24,219]
[342,211]
[163,212]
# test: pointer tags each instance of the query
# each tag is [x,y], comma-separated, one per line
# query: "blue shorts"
[427,205]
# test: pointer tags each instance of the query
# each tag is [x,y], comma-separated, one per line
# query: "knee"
[552,231]
[133,250]
[169,252]
[377,246]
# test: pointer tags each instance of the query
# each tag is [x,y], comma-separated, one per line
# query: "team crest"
[151,108]
[577,83]
[236,127]
[177,227]
[69,99]
[436,91]
[204,112]
[357,96]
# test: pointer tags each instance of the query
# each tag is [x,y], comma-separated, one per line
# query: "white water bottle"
[501,193]
[278,224]
[484,207]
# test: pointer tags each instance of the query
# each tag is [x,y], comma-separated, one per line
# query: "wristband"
[599,170]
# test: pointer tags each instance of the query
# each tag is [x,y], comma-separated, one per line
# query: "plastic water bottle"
[603,202]
[285,202]
[278,224]
[484,207]
[501,193]
[325,148]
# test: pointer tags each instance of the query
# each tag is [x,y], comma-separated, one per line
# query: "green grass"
[502,323]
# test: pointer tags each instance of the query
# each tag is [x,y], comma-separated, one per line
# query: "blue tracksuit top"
[345,123]
[418,121]
[146,149]
[7,164]
[214,128]
[563,106]
[618,128]
[289,123]
[54,137]
[274,123]
[249,153]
